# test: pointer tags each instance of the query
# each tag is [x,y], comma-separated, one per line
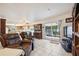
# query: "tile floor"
[43,47]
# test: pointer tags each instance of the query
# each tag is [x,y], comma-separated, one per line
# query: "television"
[68,31]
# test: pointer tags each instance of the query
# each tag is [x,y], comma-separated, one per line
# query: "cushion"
[13,38]
[11,52]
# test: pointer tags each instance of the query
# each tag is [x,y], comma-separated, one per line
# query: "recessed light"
[48,9]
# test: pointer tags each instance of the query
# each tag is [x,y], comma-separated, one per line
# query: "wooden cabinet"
[38,27]
[2,30]
[2,26]
[38,31]
[75,43]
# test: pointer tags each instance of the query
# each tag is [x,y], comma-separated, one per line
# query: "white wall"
[55,20]
[64,24]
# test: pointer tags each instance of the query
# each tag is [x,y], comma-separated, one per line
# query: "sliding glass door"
[52,30]
[48,31]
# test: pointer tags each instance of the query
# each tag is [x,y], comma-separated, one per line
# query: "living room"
[30,29]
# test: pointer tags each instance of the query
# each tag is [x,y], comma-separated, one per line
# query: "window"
[48,31]
[55,30]
[52,30]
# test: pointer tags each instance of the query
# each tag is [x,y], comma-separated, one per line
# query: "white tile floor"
[45,48]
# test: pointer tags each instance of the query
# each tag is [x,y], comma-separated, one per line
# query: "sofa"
[5,51]
[13,41]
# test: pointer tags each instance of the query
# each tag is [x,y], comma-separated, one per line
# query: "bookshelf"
[75,42]
[38,31]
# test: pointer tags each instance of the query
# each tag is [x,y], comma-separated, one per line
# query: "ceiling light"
[48,9]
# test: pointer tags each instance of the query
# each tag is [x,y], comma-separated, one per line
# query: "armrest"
[26,41]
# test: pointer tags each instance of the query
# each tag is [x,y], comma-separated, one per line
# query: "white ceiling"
[29,12]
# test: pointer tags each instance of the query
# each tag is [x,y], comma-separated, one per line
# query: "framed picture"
[68,20]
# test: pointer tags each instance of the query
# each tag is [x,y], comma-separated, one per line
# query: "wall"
[64,24]
[55,19]
[10,29]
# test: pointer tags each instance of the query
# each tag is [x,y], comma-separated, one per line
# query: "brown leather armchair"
[26,35]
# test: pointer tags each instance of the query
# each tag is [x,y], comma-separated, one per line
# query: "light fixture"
[48,9]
